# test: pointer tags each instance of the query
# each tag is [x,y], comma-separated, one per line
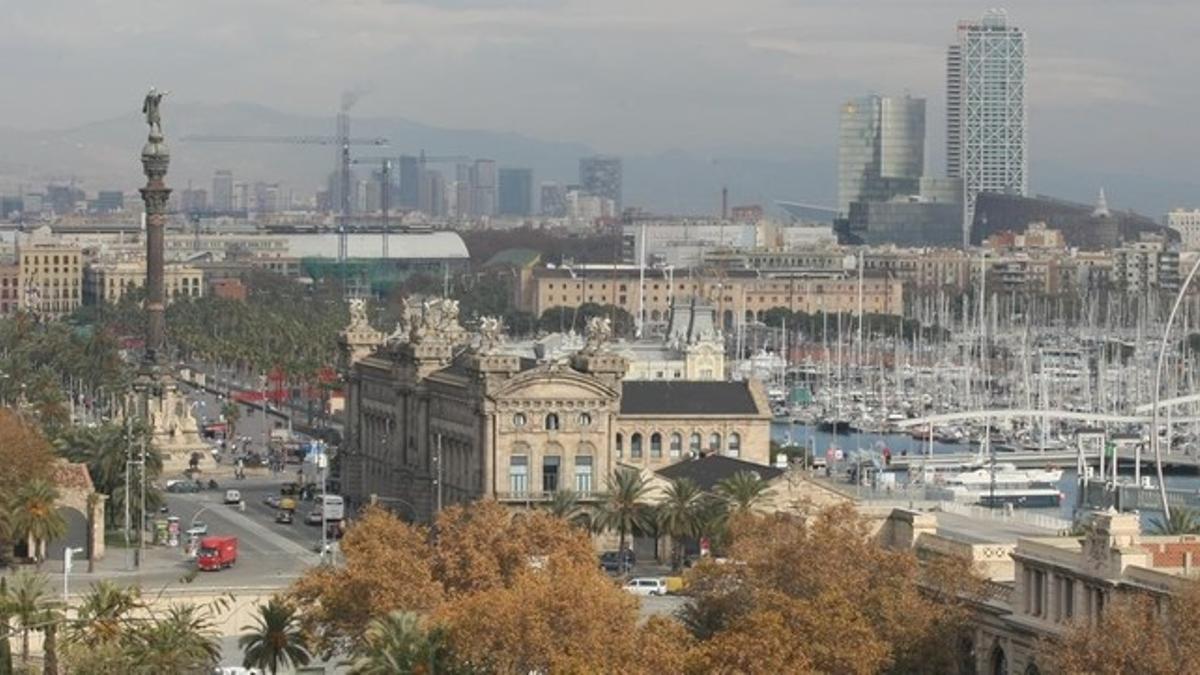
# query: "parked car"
[614,562]
[284,518]
[646,586]
[233,497]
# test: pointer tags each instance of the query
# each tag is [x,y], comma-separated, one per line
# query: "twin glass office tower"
[881,149]
[986,119]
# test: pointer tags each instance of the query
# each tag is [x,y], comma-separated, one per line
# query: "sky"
[1111,83]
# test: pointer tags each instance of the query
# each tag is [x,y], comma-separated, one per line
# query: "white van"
[646,586]
[334,506]
[233,497]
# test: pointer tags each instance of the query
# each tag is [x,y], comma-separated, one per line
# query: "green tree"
[398,643]
[1182,521]
[29,599]
[5,617]
[744,491]
[106,450]
[679,515]
[232,412]
[565,504]
[275,639]
[103,615]
[624,506]
[35,517]
[183,640]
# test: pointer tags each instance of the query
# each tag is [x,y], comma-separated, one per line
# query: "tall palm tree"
[744,491]
[35,518]
[275,639]
[623,508]
[397,643]
[104,614]
[29,597]
[565,505]
[5,616]
[1180,521]
[679,515]
[181,641]
[232,413]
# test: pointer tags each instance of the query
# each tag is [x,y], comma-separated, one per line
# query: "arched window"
[635,446]
[999,661]
[714,442]
[735,444]
[552,422]
[585,420]
[676,445]
[656,445]
[620,445]
[519,420]
[696,444]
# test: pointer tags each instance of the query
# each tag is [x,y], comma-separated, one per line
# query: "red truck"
[217,553]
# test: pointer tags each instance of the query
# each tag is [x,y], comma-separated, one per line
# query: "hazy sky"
[1111,82]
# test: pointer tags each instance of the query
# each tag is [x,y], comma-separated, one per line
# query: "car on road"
[284,518]
[182,486]
[313,517]
[272,501]
[217,553]
[198,529]
[646,586]
[233,497]
[289,488]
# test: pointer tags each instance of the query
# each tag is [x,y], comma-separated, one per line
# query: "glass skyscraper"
[600,176]
[516,192]
[986,118]
[881,149]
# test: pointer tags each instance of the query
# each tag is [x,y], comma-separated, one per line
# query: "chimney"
[724,203]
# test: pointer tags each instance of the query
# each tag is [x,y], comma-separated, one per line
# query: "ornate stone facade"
[443,417]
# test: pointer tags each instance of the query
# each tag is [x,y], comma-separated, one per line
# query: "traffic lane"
[254,492]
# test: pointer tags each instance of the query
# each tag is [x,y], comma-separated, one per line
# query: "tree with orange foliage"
[26,457]
[820,594]
[483,545]
[388,567]
[1135,634]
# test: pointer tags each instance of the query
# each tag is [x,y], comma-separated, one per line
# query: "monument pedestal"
[173,430]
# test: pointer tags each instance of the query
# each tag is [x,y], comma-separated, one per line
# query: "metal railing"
[543,496]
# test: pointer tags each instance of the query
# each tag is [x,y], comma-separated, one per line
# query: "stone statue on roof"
[491,334]
[599,333]
[358,314]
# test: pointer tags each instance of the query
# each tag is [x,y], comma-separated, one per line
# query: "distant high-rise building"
[410,182]
[266,197]
[554,200]
[432,197]
[516,192]
[64,199]
[986,115]
[1187,224]
[109,201]
[222,190]
[192,201]
[601,176]
[881,149]
[483,188]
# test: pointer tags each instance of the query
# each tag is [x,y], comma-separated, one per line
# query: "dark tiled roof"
[707,471]
[687,398]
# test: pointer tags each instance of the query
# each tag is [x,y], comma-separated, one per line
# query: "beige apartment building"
[10,296]
[738,296]
[49,278]
[109,282]
[437,416]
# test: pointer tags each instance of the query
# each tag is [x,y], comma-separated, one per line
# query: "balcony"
[542,497]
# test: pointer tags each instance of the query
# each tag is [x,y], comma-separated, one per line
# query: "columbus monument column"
[166,411]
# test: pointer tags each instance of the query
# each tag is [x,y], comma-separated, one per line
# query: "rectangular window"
[550,473]
[583,474]
[518,475]
[1068,598]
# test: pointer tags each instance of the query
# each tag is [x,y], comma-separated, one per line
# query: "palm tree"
[35,518]
[744,491]
[397,643]
[679,515]
[565,505]
[1181,521]
[103,616]
[29,598]
[5,614]
[275,640]
[232,413]
[624,508]
[182,641]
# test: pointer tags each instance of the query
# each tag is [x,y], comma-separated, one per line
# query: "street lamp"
[1154,440]
[68,553]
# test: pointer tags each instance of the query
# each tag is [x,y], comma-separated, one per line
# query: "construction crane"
[342,140]
[385,169]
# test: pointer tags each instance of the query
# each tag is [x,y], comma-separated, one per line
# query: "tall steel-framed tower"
[986,117]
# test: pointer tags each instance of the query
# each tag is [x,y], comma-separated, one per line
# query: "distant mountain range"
[104,155]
